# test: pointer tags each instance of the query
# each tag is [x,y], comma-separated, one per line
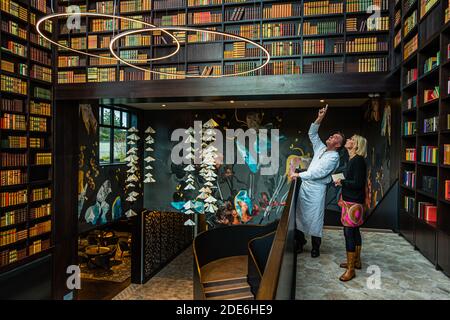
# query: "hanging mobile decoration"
[190,206]
[148,148]
[209,154]
[133,169]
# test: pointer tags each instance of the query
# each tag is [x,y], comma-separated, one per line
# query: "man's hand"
[338,183]
[321,114]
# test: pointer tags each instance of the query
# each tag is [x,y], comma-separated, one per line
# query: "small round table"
[96,250]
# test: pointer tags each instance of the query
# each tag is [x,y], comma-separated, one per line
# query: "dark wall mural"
[244,194]
[101,189]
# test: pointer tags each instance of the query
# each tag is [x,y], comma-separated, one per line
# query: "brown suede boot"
[358,264]
[350,273]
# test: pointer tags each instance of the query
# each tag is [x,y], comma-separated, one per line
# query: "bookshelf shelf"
[426,194]
[426,164]
[408,188]
[445,201]
[428,223]
[409,111]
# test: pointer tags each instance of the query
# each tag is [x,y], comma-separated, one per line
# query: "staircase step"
[221,282]
[246,295]
[226,289]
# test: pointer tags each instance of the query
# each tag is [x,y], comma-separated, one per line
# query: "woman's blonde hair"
[361,145]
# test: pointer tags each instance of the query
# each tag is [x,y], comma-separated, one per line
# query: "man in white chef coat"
[311,198]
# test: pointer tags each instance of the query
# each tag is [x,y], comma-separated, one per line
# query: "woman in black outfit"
[352,203]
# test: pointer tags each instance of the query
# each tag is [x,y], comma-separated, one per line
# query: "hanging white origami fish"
[189,130]
[130,213]
[210,199]
[133,129]
[148,167]
[189,223]
[149,149]
[130,199]
[149,159]
[130,185]
[190,139]
[132,150]
[131,157]
[132,178]
[190,156]
[132,170]
[133,137]
[189,187]
[210,124]
[189,168]
[149,180]
[149,140]
[150,130]
[189,212]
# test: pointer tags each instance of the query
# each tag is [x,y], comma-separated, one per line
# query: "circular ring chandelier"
[109,16]
[123,34]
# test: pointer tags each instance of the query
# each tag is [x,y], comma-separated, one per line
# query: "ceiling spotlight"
[231,101]
[322,101]
[163,105]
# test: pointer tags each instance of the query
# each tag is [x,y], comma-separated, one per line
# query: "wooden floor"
[226,279]
[100,290]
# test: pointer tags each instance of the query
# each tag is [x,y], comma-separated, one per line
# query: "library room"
[225,150]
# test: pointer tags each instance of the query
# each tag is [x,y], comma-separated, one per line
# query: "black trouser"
[352,238]
[300,237]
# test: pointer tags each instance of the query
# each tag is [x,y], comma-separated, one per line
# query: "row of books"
[13,122]
[169,4]
[12,255]
[370,24]
[429,184]
[427,211]
[215,70]
[431,124]
[204,17]
[171,20]
[36,142]
[40,228]
[42,93]
[41,73]
[14,85]
[14,142]
[411,75]
[135,5]
[409,204]
[365,5]
[14,105]
[447,154]
[135,40]
[242,13]
[325,27]
[284,10]
[431,63]
[38,246]
[12,236]
[431,94]
[13,198]
[16,48]
[43,158]
[429,154]
[40,56]
[65,77]
[13,159]
[410,47]
[410,154]
[281,67]
[322,7]
[101,74]
[11,177]
[409,179]
[426,5]
[409,128]
[40,5]
[38,124]
[38,40]
[128,75]
[366,45]
[410,23]
[323,66]
[41,194]
[13,217]
[41,211]
[14,29]
[447,190]
[369,65]
[40,108]
[397,39]
[411,103]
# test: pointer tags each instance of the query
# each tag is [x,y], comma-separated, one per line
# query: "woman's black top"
[354,185]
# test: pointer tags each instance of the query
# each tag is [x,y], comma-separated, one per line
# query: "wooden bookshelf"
[26,126]
[300,36]
[424,102]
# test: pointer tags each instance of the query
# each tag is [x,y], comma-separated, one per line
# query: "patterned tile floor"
[404,273]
